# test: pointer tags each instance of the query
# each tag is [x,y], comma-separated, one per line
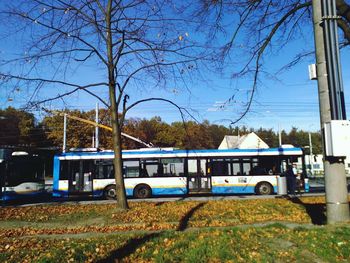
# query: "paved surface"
[88,200]
[316,189]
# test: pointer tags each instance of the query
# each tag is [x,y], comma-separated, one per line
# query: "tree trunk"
[116,125]
[117,161]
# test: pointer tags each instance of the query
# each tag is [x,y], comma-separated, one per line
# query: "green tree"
[217,133]
[268,136]
[79,134]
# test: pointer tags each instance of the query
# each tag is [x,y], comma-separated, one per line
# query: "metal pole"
[311,160]
[64,132]
[279,135]
[335,180]
[96,128]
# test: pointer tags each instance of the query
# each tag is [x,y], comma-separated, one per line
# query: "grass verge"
[214,231]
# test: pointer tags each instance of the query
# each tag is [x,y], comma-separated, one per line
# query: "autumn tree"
[18,127]
[127,46]
[79,134]
[217,133]
[268,136]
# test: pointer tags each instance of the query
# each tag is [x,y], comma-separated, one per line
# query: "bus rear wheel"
[110,192]
[264,188]
[142,191]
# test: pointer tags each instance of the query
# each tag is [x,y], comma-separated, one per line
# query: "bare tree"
[261,28]
[131,44]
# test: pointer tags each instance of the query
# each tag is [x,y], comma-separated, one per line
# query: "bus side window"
[131,169]
[111,173]
[246,168]
[220,167]
[144,172]
[171,167]
[236,170]
[160,170]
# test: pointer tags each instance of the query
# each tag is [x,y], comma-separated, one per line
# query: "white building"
[248,141]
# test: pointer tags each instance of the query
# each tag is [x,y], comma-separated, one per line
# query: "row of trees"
[21,128]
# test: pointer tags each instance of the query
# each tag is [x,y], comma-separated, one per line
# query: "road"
[316,189]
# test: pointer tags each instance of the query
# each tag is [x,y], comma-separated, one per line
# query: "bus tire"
[264,188]
[110,192]
[142,191]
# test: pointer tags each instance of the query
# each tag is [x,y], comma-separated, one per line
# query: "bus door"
[81,173]
[198,178]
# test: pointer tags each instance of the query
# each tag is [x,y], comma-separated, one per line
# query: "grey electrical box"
[337,138]
[312,72]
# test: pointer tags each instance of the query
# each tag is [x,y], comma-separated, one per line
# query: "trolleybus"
[167,171]
[21,175]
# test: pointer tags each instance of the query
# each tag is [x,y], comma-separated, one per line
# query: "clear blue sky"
[291,100]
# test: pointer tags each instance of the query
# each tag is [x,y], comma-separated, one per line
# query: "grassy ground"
[274,230]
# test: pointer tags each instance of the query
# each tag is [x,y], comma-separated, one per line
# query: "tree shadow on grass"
[186,218]
[130,247]
[317,212]
[133,244]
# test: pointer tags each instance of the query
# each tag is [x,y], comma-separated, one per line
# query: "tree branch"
[181,109]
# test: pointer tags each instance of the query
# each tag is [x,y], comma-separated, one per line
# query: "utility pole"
[310,160]
[279,135]
[335,178]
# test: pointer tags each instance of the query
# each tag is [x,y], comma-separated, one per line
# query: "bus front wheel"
[264,188]
[110,192]
[142,191]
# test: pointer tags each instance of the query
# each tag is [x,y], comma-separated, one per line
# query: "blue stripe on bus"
[125,153]
[236,189]
[60,193]
[12,195]
[97,193]
[233,189]
[169,191]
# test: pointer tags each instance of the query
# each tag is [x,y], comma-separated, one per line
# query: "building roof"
[248,141]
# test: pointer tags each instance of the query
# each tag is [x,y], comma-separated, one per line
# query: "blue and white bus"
[21,175]
[167,171]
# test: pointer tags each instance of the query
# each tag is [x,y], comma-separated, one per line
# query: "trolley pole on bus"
[96,127]
[64,132]
[335,178]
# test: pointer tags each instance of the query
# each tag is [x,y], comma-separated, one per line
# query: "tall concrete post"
[335,179]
